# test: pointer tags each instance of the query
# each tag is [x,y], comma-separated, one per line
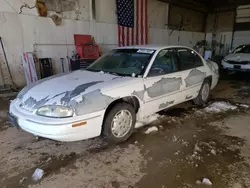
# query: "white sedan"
[238,60]
[114,94]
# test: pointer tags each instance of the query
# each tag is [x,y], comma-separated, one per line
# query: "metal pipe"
[6,60]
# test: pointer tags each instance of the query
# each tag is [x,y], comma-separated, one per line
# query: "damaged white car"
[114,94]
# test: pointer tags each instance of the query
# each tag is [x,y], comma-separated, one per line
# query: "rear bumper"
[58,129]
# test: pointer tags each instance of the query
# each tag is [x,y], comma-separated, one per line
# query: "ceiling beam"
[189,4]
[208,5]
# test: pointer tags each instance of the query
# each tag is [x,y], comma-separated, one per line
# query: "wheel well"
[130,100]
[209,78]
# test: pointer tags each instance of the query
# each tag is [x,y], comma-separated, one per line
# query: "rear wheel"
[203,94]
[119,123]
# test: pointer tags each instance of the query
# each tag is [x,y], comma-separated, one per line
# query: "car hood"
[61,89]
[238,57]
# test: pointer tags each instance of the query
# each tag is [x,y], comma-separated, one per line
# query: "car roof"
[151,47]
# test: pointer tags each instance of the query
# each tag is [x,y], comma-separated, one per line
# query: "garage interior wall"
[242,26]
[167,30]
[219,27]
[22,30]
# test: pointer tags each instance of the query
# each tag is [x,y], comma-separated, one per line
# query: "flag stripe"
[137,22]
[128,36]
[123,37]
[141,17]
[119,35]
[146,22]
[133,38]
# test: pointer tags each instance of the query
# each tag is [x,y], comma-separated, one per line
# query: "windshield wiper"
[92,70]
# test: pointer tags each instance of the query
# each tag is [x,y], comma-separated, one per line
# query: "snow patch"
[151,130]
[147,120]
[206,181]
[244,106]
[218,107]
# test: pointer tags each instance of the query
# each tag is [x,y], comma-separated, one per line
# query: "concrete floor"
[189,146]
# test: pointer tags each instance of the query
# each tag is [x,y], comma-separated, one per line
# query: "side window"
[165,63]
[188,59]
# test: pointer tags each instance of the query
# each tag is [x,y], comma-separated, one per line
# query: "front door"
[163,83]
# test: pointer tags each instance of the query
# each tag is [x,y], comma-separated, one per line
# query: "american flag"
[132,16]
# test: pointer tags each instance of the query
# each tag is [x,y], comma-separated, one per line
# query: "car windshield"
[123,62]
[242,49]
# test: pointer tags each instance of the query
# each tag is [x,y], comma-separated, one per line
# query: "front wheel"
[119,123]
[203,94]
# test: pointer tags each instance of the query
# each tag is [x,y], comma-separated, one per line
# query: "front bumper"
[59,129]
[232,67]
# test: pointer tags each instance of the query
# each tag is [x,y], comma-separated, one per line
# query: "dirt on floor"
[179,150]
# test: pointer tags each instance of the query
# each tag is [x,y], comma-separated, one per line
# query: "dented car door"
[163,84]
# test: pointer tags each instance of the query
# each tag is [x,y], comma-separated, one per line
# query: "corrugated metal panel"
[243,14]
[241,37]
[242,26]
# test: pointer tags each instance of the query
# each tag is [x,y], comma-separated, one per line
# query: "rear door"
[193,71]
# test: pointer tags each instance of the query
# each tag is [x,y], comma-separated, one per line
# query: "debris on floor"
[213,152]
[206,181]
[151,130]
[38,174]
[22,180]
[244,106]
[197,148]
[218,107]
[175,139]
[147,120]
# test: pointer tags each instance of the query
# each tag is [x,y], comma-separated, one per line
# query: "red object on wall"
[91,52]
[79,51]
[86,47]
[83,39]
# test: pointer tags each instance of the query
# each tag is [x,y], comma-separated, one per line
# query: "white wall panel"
[158,36]
[169,37]
[157,14]
[173,37]
[106,34]
[241,37]
[104,15]
[10,31]
[13,6]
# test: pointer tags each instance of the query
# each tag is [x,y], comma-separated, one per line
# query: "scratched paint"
[33,103]
[165,105]
[195,77]
[164,86]
[92,102]
[78,90]
[140,94]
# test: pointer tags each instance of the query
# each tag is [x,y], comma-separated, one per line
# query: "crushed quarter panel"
[195,77]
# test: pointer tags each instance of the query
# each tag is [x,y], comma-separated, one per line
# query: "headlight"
[225,60]
[55,111]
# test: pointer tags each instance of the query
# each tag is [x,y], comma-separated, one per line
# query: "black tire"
[199,100]
[107,132]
